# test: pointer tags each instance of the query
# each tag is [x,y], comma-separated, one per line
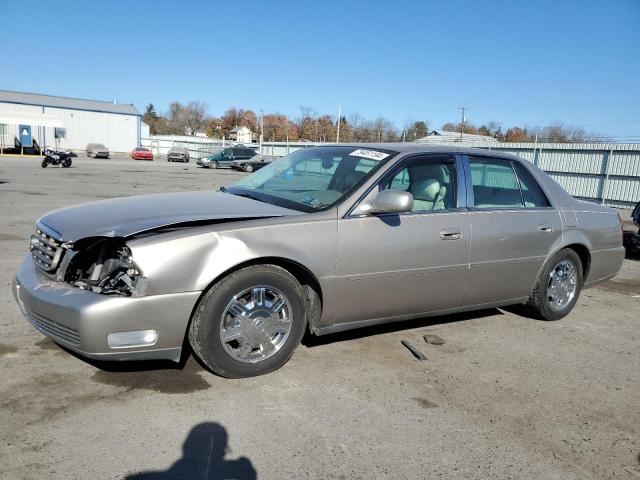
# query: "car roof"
[409,147]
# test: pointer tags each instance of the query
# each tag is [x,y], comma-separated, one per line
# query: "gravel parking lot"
[505,397]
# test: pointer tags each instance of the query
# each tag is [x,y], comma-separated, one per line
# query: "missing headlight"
[104,266]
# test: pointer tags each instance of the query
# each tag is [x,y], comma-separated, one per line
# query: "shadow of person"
[203,455]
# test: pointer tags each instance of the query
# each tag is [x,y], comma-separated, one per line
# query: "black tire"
[204,332]
[539,305]
[45,162]
[248,168]
[216,165]
[66,163]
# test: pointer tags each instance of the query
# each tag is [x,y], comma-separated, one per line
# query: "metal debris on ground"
[413,350]
[434,339]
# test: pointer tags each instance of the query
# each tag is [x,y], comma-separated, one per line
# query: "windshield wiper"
[244,194]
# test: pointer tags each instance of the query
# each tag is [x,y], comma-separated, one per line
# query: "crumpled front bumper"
[81,320]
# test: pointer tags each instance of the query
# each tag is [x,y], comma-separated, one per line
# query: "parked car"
[141,153]
[325,239]
[632,239]
[252,164]
[178,154]
[97,150]
[225,156]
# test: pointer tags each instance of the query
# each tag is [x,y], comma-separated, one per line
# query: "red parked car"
[141,153]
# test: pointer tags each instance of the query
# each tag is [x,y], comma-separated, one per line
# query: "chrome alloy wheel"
[562,285]
[255,324]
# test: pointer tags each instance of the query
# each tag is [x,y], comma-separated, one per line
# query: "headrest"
[427,189]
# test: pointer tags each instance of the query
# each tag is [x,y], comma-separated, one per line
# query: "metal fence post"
[605,181]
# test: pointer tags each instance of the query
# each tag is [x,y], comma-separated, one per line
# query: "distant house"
[444,136]
[242,135]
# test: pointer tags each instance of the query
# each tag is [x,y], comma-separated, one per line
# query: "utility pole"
[261,129]
[339,120]
[462,122]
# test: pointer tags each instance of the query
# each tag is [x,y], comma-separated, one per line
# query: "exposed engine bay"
[103,265]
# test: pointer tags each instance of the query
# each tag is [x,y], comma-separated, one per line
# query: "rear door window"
[532,194]
[495,184]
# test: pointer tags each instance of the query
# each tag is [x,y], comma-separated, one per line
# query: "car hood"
[126,216]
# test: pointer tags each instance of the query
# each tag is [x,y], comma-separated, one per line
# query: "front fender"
[192,260]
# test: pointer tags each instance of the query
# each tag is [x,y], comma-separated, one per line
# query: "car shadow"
[203,456]
[356,333]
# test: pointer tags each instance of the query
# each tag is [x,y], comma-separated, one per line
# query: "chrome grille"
[46,251]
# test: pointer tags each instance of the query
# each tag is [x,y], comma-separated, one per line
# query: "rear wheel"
[250,322]
[558,288]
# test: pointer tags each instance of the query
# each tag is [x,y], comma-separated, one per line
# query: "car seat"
[428,195]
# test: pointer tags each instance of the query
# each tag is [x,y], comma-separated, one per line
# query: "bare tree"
[194,114]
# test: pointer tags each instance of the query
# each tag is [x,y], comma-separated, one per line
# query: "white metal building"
[67,123]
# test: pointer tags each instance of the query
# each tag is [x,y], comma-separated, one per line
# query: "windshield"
[311,179]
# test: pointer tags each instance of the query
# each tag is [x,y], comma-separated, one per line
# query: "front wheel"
[248,168]
[45,162]
[558,288]
[66,163]
[250,322]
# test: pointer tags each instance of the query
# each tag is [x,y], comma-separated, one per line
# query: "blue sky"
[516,62]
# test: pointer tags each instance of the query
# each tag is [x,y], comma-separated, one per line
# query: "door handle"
[450,234]
[544,228]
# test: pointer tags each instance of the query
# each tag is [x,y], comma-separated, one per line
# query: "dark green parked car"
[224,156]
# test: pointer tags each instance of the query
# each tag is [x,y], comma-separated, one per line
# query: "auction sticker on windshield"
[372,154]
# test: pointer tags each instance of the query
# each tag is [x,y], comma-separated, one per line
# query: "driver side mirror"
[387,201]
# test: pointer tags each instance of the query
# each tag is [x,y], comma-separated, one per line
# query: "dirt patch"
[9,237]
[166,380]
[7,349]
[626,287]
[48,344]
[424,403]
[46,396]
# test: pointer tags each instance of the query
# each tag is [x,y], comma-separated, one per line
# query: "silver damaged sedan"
[325,239]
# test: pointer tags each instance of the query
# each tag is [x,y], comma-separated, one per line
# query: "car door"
[238,153]
[226,155]
[405,264]
[514,227]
